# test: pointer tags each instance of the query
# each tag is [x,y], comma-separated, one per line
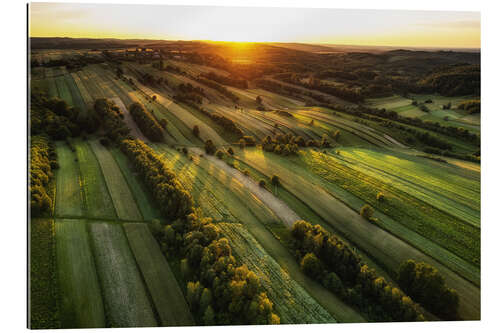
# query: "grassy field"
[162,285]
[81,303]
[291,301]
[126,300]
[123,199]
[43,284]
[144,201]
[69,195]
[388,250]
[97,198]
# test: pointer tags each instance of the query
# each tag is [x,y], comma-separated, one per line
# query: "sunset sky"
[335,26]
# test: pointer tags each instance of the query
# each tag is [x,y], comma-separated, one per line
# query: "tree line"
[43,160]
[226,80]
[219,290]
[146,122]
[223,90]
[325,258]
[111,118]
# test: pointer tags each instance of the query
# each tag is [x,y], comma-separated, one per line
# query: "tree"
[258,99]
[163,123]
[275,180]
[262,183]
[196,131]
[242,144]
[366,212]
[333,282]
[206,299]
[154,97]
[230,151]
[210,147]
[311,265]
[380,196]
[219,154]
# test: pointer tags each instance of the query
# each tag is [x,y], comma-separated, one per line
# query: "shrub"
[210,147]
[104,141]
[246,173]
[262,183]
[380,196]
[196,131]
[366,212]
[184,150]
[230,151]
[219,154]
[275,180]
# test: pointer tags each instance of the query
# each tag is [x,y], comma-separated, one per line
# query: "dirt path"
[134,130]
[279,207]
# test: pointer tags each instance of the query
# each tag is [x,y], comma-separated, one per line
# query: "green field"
[44,287]
[126,299]
[81,303]
[69,195]
[162,285]
[123,200]
[97,198]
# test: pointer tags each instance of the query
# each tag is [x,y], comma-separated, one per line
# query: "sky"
[257,24]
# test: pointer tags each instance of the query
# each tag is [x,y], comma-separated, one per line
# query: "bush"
[366,212]
[275,180]
[220,154]
[262,183]
[246,173]
[104,141]
[196,131]
[230,151]
[210,147]
[380,196]
[184,151]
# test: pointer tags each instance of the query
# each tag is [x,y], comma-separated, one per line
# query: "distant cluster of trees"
[226,80]
[424,283]
[223,90]
[71,63]
[111,119]
[325,258]
[454,80]
[189,93]
[471,106]
[146,122]
[281,144]
[55,117]
[219,291]
[351,95]
[43,159]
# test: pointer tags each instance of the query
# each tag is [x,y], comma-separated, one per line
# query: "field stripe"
[125,297]
[97,198]
[81,303]
[160,280]
[142,196]
[123,200]
[69,200]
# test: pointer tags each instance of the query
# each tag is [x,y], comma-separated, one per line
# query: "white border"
[13,162]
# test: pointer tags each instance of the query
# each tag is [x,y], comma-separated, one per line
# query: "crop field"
[123,200]
[81,303]
[125,297]
[43,292]
[452,116]
[106,253]
[290,299]
[69,195]
[163,288]
[98,201]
